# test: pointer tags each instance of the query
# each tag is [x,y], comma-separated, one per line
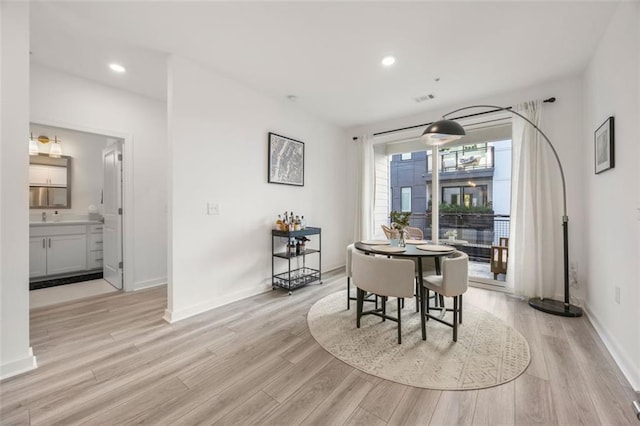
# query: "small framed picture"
[286,160]
[604,144]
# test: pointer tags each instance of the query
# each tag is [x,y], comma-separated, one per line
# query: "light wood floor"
[111,359]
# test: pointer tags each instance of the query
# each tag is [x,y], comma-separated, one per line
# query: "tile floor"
[64,293]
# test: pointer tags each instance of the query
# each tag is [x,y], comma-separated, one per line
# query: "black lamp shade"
[442,132]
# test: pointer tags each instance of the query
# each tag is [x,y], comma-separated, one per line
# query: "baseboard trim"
[179,315]
[142,285]
[625,364]
[174,316]
[18,367]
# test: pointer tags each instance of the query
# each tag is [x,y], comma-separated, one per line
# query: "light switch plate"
[213,209]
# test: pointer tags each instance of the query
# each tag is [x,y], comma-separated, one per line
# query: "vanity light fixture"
[56,149]
[33,146]
[387,61]
[117,68]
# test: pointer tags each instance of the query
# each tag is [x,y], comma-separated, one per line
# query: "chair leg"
[427,302]
[455,319]
[441,301]
[399,323]
[422,313]
[384,307]
[417,295]
[460,308]
[359,303]
[348,293]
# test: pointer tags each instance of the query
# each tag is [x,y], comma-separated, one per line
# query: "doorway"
[95,188]
[475,192]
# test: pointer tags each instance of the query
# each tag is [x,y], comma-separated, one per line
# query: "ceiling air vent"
[424,98]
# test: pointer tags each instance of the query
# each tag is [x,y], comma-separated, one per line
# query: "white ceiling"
[327,53]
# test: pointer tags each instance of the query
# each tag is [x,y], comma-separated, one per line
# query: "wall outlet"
[213,209]
[618,295]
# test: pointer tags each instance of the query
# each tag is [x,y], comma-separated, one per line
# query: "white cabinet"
[94,255]
[57,250]
[37,257]
[66,253]
[43,175]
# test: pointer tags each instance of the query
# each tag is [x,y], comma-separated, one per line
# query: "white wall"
[85,150]
[611,88]
[62,100]
[562,122]
[218,153]
[15,353]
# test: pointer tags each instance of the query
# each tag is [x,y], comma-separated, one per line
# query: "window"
[451,195]
[405,201]
[475,189]
[468,196]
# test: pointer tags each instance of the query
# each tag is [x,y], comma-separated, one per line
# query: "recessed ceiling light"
[117,68]
[387,61]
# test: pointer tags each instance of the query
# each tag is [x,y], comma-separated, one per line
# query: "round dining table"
[411,251]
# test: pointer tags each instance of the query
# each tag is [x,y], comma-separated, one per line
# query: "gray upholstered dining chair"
[350,250]
[385,277]
[453,282]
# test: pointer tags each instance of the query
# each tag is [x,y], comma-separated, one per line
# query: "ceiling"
[327,54]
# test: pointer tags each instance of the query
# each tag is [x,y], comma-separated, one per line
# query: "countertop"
[66,222]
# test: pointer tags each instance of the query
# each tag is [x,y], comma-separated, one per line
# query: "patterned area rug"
[488,351]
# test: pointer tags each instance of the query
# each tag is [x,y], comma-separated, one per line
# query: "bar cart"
[298,276]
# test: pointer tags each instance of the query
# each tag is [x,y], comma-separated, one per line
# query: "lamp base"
[555,307]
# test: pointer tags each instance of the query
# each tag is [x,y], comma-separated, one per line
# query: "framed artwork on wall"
[286,160]
[604,146]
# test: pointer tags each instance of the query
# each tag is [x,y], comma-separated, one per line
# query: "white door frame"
[127,191]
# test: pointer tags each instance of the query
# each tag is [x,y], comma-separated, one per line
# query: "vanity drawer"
[95,241]
[95,259]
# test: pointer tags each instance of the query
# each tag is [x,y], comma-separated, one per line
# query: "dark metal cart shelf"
[297,277]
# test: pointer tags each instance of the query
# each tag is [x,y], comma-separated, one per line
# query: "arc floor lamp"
[446,131]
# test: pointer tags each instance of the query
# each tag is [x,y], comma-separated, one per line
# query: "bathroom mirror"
[49,182]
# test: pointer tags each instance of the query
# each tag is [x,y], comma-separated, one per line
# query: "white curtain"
[535,262]
[365,189]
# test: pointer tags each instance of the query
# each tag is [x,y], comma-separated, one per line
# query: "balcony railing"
[454,160]
[476,232]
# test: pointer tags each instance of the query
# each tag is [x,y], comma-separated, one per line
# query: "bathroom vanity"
[58,249]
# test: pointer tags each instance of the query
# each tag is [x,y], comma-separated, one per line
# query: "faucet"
[44,216]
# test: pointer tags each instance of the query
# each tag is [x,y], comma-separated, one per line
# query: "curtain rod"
[550,100]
